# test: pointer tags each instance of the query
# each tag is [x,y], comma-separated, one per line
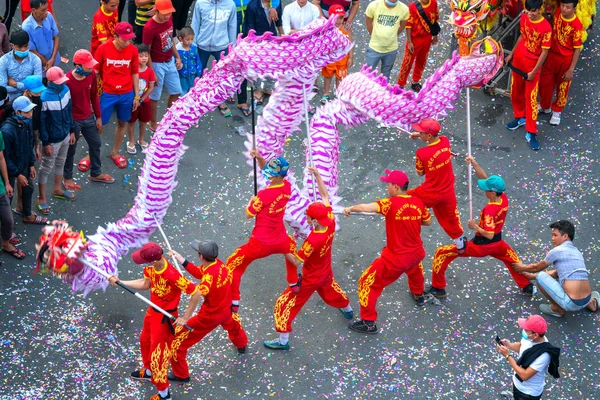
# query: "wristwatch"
[507,357]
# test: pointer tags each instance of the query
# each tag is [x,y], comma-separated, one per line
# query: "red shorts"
[143,113]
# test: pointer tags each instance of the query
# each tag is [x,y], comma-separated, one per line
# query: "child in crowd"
[338,68]
[104,22]
[192,66]
[143,113]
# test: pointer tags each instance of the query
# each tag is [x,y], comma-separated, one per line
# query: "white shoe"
[541,110]
[555,120]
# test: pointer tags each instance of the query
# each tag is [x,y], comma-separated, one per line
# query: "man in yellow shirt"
[386,20]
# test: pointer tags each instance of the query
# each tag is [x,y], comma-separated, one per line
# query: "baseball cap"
[19,38]
[337,9]
[164,6]
[149,252]
[320,212]
[535,323]
[278,166]
[124,30]
[206,248]
[428,125]
[395,176]
[22,104]
[493,183]
[56,75]
[33,83]
[84,58]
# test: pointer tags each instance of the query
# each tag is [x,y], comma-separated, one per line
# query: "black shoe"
[241,350]
[140,375]
[362,326]
[416,87]
[439,293]
[234,308]
[528,290]
[174,378]
[421,299]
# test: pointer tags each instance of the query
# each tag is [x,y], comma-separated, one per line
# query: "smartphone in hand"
[499,341]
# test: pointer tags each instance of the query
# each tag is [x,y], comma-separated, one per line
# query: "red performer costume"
[437,192]
[215,286]
[534,40]
[418,43]
[103,25]
[488,237]
[403,252]
[269,235]
[557,71]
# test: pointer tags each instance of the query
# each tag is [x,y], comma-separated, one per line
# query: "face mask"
[391,4]
[20,117]
[56,87]
[524,335]
[21,54]
[79,71]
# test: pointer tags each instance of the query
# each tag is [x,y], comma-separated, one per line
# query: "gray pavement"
[59,345]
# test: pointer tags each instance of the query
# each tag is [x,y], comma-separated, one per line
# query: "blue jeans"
[557,293]
[187,82]
[387,61]
[205,55]
[167,75]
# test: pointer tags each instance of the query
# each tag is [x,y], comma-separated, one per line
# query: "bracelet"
[137,98]
[508,356]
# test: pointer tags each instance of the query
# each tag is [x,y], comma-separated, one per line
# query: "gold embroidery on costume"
[364,286]
[338,289]
[385,206]
[159,364]
[179,338]
[283,307]
[160,286]
[307,248]
[533,102]
[182,283]
[513,256]
[440,256]
[561,96]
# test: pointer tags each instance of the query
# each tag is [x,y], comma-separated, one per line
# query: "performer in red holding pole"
[437,192]
[403,251]
[317,273]
[488,237]
[528,56]
[557,73]
[419,39]
[165,284]
[269,235]
[215,286]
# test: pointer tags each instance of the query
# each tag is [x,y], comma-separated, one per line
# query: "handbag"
[433,28]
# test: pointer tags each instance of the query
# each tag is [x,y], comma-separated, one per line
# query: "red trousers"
[444,208]
[202,324]
[253,250]
[552,79]
[523,93]
[289,304]
[380,274]
[155,344]
[421,44]
[444,255]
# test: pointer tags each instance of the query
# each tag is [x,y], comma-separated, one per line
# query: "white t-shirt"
[533,386]
[296,17]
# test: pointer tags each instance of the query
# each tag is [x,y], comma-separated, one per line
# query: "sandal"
[14,239]
[246,111]
[150,129]
[231,100]
[131,149]
[119,161]
[20,213]
[84,165]
[44,208]
[545,308]
[325,99]
[259,99]
[102,178]
[143,146]
[67,195]
[16,253]
[225,111]
[73,187]
[37,220]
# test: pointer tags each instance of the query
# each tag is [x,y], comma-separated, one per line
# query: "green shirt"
[140,14]
[2,187]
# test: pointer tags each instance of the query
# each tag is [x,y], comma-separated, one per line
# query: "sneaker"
[532,140]
[416,87]
[545,308]
[439,293]
[555,120]
[515,124]
[241,350]
[528,290]
[234,308]
[363,326]
[463,248]
[544,111]
[275,345]
[157,396]
[174,378]
[325,99]
[347,314]
[295,288]
[140,375]
[420,299]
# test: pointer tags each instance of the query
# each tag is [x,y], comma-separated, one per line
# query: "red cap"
[396,177]
[320,212]
[428,125]
[84,58]
[124,30]
[149,252]
[56,75]
[337,9]
[535,323]
[164,6]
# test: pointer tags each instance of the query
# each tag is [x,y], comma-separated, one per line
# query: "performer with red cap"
[165,284]
[403,252]
[437,192]
[269,235]
[317,272]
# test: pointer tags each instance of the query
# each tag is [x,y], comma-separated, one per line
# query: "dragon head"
[58,249]
[466,15]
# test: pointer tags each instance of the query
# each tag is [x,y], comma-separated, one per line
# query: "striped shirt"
[140,14]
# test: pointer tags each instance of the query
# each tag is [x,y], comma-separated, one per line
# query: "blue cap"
[22,104]
[278,166]
[493,183]
[33,83]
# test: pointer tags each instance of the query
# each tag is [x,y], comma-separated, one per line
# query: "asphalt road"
[59,345]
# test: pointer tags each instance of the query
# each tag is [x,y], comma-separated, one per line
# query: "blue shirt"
[192,66]
[11,68]
[41,37]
